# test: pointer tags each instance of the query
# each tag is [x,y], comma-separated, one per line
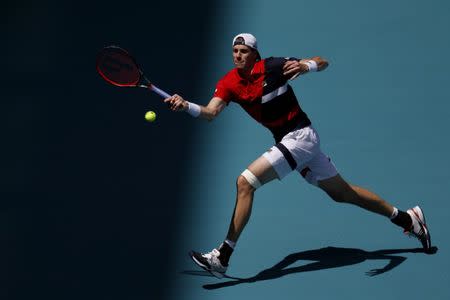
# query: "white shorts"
[300,150]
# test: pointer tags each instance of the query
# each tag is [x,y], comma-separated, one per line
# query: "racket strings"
[116,66]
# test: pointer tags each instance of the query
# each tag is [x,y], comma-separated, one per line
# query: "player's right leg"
[257,174]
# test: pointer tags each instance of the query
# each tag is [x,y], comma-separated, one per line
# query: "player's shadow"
[325,258]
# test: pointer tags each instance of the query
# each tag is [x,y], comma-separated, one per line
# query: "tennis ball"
[150,116]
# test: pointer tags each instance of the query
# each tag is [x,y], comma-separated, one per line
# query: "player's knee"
[337,195]
[344,195]
[337,189]
[247,182]
[243,185]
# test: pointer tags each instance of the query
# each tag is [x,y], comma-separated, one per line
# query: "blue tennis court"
[382,111]
[100,204]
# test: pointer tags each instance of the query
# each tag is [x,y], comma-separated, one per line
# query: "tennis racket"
[116,66]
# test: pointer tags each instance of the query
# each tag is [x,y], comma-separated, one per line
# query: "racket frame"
[142,78]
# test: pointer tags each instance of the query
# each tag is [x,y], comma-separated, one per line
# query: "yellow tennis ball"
[150,116]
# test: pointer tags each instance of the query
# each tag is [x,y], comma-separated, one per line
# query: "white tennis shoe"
[209,262]
[419,227]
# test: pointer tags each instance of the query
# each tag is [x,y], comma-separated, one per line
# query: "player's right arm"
[208,112]
[213,109]
[222,96]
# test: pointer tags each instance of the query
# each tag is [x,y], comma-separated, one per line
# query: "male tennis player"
[260,87]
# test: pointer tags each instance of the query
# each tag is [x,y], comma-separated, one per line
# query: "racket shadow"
[324,258]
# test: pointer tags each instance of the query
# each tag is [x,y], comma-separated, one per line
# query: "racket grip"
[159,91]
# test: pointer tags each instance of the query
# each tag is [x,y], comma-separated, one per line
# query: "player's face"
[244,57]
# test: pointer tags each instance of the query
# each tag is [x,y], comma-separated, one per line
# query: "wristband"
[312,65]
[193,109]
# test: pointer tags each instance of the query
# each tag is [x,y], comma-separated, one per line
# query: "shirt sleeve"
[278,62]
[222,91]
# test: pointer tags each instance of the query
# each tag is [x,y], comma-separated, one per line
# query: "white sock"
[230,243]
[394,213]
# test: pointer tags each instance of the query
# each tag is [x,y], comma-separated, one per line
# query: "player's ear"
[258,57]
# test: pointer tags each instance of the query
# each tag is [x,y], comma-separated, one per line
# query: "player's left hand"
[294,68]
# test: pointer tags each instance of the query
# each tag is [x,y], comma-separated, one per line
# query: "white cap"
[246,39]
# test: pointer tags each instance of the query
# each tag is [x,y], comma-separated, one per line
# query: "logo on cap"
[239,41]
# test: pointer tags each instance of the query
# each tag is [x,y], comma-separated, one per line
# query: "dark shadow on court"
[92,192]
[324,258]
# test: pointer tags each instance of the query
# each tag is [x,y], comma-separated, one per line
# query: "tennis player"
[261,88]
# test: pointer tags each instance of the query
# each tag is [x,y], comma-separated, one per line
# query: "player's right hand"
[177,103]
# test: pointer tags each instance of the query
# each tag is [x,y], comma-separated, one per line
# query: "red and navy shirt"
[266,96]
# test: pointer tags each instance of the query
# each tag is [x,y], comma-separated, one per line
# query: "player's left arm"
[294,68]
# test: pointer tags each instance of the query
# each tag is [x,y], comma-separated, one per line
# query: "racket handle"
[159,91]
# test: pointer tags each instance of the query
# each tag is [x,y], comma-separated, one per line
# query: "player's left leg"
[341,191]
[412,221]
[320,171]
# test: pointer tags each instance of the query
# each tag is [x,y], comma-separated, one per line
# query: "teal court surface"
[101,204]
[382,111]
